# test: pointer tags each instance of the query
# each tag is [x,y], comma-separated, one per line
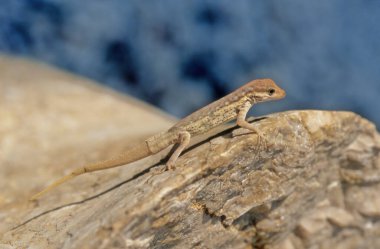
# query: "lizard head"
[263,90]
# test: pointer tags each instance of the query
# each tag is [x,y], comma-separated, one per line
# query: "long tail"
[135,153]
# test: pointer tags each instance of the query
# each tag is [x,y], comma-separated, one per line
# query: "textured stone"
[51,121]
[312,183]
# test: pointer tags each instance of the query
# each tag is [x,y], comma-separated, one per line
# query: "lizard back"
[214,114]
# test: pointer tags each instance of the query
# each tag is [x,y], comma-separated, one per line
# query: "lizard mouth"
[281,93]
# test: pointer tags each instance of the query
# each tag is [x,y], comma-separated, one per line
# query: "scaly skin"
[233,106]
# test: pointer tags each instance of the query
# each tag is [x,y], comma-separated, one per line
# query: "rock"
[51,121]
[313,182]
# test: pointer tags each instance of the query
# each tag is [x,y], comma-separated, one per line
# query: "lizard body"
[233,106]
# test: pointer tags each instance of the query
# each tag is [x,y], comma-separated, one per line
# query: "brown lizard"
[233,106]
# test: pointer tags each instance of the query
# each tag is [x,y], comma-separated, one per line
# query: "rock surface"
[314,182]
[51,121]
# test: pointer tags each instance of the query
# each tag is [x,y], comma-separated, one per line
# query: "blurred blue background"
[181,55]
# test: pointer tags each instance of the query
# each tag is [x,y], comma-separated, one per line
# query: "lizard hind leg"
[183,141]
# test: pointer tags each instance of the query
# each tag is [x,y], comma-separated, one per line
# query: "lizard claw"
[170,166]
[261,139]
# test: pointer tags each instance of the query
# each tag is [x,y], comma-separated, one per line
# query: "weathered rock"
[234,191]
[51,121]
[313,182]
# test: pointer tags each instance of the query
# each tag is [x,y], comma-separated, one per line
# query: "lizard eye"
[271,91]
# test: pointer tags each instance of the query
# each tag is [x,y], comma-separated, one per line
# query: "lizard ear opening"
[271,91]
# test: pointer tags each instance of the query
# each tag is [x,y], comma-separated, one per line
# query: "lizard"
[233,106]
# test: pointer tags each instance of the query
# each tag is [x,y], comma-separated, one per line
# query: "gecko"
[233,106]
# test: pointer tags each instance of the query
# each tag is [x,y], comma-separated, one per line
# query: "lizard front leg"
[241,116]
[240,121]
[183,141]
